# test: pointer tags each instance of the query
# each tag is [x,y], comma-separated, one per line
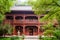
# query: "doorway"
[31,30]
[20,29]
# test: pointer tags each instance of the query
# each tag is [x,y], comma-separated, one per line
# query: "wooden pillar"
[14,19]
[39,20]
[14,30]
[38,29]
[24,24]
[24,30]
[38,24]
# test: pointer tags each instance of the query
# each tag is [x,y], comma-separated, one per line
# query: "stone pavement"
[31,38]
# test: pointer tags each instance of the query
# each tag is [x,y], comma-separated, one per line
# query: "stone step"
[31,38]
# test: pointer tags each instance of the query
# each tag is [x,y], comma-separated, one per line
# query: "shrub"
[5,29]
[5,38]
[48,38]
[57,34]
[16,38]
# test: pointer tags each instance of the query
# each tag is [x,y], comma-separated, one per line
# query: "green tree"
[5,6]
[6,29]
[51,11]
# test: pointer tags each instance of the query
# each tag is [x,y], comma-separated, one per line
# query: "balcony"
[21,19]
[18,19]
[25,21]
[31,19]
[8,21]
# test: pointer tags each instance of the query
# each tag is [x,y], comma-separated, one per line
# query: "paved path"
[31,38]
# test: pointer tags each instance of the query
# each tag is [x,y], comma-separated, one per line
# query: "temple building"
[23,19]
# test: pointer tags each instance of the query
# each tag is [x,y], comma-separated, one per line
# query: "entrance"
[31,30]
[20,29]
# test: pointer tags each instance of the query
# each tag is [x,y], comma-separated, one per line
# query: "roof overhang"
[19,8]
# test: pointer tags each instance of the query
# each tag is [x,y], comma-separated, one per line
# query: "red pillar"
[14,19]
[24,25]
[38,30]
[38,24]
[14,30]
[24,30]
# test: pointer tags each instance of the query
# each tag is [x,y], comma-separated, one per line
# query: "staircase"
[31,38]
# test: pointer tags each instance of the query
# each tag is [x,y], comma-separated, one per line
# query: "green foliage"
[49,26]
[49,38]
[8,28]
[5,29]
[48,33]
[2,17]
[57,34]
[51,9]
[16,38]
[11,38]
[5,38]
[49,29]
[5,6]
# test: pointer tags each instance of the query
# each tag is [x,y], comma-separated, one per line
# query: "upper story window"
[9,17]
[18,17]
[31,17]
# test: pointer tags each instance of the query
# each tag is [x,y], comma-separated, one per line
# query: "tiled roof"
[21,7]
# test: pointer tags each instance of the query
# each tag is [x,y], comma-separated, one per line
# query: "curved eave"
[19,8]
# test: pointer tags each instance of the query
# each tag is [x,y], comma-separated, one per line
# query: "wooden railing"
[8,21]
[21,21]
[18,21]
[31,21]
